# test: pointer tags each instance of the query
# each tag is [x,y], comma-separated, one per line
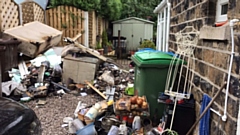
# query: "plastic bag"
[57,71]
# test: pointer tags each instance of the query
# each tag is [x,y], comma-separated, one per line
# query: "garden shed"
[134,29]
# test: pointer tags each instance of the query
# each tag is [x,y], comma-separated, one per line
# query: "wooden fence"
[12,14]
[68,19]
[9,14]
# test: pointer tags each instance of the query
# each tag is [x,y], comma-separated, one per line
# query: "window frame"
[163,25]
[219,17]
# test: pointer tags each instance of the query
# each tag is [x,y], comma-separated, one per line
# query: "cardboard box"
[79,69]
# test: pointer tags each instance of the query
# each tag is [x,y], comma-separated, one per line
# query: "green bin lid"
[153,59]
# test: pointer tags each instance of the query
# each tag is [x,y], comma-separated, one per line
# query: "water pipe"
[232,22]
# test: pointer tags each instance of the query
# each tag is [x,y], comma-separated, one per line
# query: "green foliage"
[99,46]
[148,44]
[104,38]
[81,4]
[109,9]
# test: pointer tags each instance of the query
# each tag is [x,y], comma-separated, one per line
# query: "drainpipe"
[232,22]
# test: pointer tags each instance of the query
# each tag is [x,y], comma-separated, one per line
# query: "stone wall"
[212,58]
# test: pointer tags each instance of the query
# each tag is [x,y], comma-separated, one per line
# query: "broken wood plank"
[90,51]
[95,89]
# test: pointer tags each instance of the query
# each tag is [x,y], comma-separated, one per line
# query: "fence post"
[86,29]
[119,53]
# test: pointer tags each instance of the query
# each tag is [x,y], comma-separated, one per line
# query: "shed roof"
[133,18]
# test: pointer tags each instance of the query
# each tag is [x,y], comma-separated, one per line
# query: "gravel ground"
[52,113]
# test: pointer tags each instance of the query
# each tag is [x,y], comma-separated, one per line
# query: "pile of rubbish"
[79,70]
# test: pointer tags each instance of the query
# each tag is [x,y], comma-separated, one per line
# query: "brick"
[235,65]
[191,14]
[223,45]
[208,55]
[233,107]
[197,12]
[221,60]
[196,80]
[198,24]
[230,127]
[197,95]
[234,87]
[237,42]
[219,77]
[204,9]
[198,53]
[233,9]
[201,68]
[220,98]
[206,87]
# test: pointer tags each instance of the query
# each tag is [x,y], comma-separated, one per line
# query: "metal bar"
[160,33]
[56,84]
[164,29]
[168,25]
[216,112]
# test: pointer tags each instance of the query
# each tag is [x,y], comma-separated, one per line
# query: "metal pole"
[119,33]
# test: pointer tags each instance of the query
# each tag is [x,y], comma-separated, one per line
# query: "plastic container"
[93,111]
[151,69]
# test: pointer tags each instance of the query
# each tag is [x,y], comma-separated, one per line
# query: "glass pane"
[224,9]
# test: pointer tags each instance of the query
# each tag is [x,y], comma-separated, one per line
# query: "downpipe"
[232,22]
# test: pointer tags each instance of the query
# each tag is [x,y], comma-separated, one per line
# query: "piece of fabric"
[205,121]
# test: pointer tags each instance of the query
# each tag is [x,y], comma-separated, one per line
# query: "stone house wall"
[212,57]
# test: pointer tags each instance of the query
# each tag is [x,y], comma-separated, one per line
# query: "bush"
[148,44]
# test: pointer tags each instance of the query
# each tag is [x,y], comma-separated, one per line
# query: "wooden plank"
[76,21]
[51,17]
[55,23]
[82,29]
[71,21]
[59,17]
[1,4]
[95,89]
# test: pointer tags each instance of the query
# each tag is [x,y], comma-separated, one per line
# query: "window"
[222,8]
[163,11]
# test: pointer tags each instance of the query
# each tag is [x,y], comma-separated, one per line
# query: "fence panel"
[68,19]
[9,14]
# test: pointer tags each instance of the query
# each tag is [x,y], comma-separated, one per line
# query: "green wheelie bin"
[151,69]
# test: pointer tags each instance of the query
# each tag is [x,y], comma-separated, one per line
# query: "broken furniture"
[9,57]
[186,42]
[79,69]
[36,37]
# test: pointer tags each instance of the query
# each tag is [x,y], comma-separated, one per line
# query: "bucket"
[87,130]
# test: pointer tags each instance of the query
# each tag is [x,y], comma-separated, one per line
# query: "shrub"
[148,44]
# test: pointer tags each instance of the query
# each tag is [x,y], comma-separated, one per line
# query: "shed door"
[138,34]
[127,31]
